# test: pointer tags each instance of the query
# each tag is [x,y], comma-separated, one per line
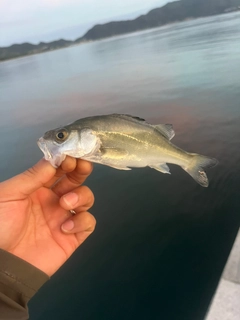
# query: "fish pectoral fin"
[166,130]
[113,153]
[162,167]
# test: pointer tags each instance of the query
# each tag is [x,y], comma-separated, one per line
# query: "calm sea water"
[161,241]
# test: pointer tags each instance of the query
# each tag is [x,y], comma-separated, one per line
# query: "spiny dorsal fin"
[128,116]
[134,117]
[166,130]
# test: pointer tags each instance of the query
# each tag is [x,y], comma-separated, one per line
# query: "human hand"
[36,224]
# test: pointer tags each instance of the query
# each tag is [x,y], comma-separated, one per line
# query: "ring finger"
[79,200]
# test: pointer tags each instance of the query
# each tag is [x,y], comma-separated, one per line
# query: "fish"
[122,142]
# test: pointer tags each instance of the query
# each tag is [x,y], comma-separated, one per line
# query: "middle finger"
[68,165]
[73,179]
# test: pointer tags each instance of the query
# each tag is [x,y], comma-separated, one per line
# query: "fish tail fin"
[196,167]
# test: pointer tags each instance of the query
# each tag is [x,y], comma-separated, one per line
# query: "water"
[161,241]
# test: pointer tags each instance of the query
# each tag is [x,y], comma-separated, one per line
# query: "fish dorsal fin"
[134,117]
[166,130]
[129,116]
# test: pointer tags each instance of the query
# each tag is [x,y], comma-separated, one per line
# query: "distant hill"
[18,50]
[171,12]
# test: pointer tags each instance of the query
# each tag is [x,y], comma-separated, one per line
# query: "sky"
[47,20]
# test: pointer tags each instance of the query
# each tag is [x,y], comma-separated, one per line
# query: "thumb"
[25,183]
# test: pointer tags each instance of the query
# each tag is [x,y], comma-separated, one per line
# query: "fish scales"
[122,142]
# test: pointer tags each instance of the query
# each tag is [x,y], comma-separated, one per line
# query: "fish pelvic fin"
[196,168]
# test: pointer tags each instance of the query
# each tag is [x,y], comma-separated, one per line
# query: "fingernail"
[68,225]
[70,199]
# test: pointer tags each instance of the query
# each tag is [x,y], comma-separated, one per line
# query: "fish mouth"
[43,146]
[54,159]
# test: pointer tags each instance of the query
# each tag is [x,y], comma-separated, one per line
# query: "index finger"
[73,179]
[68,165]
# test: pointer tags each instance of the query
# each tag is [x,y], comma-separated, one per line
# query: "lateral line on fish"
[123,134]
[169,152]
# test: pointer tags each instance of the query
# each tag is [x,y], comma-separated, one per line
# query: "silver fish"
[122,141]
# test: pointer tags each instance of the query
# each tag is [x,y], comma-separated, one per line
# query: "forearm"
[19,281]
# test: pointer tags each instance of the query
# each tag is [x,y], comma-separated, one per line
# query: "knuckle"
[81,172]
[69,164]
[91,223]
[31,172]
[91,198]
[84,167]
[88,194]
[90,167]
[75,179]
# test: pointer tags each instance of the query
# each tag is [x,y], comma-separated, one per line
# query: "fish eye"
[61,135]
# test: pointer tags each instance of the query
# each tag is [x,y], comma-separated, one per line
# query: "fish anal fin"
[166,130]
[162,167]
[118,168]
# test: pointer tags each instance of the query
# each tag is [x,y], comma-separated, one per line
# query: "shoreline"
[114,36]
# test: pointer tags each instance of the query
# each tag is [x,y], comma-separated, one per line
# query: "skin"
[36,224]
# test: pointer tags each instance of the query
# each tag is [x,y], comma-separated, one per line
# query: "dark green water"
[161,241]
